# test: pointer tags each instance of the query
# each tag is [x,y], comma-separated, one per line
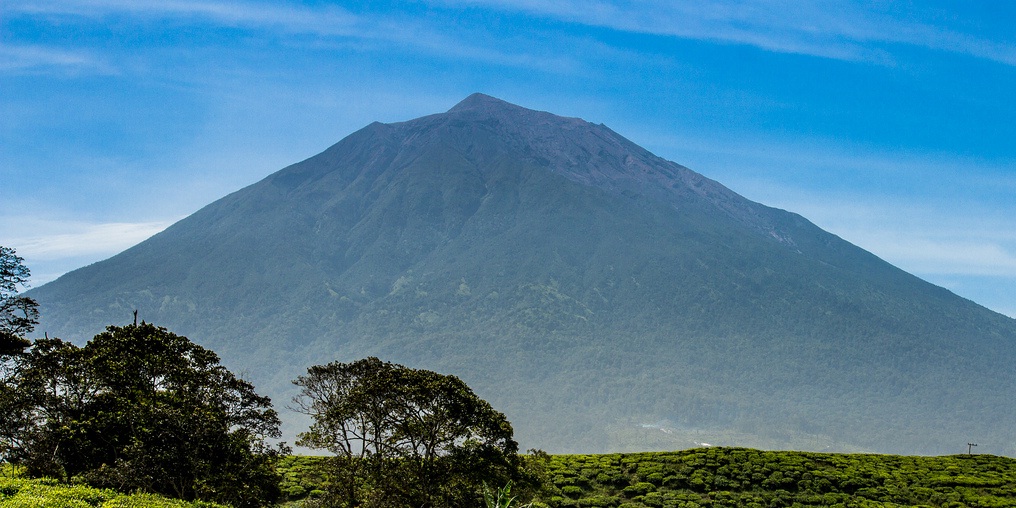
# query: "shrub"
[572,491]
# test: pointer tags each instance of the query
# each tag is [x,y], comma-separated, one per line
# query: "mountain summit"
[489,105]
[604,298]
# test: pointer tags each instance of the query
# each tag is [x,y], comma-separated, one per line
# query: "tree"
[405,437]
[140,408]
[18,314]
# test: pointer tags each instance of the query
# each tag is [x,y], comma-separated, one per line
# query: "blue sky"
[891,124]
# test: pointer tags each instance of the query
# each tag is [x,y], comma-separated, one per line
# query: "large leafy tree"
[405,437]
[18,313]
[141,408]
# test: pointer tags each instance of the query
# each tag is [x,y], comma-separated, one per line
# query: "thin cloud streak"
[326,22]
[964,254]
[33,59]
[52,247]
[932,231]
[755,168]
[67,240]
[833,29]
[919,239]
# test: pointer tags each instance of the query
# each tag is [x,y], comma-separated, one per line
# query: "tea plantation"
[705,477]
[17,491]
[744,477]
[715,477]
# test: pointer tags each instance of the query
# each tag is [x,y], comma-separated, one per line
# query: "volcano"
[602,297]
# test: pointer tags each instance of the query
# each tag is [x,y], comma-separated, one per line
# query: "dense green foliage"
[18,313]
[306,478]
[140,408]
[19,491]
[404,437]
[701,477]
[303,477]
[745,477]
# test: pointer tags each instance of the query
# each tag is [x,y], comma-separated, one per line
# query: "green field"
[699,477]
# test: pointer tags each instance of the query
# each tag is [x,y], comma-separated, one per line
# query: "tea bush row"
[743,477]
[18,491]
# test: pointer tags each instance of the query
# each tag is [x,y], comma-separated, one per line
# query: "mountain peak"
[584,283]
[483,103]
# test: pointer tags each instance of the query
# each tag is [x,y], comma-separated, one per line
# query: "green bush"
[572,491]
[19,492]
[599,501]
[639,489]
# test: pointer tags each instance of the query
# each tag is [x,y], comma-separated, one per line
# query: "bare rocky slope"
[604,298]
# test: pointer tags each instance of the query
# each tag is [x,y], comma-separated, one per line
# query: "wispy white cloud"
[52,246]
[324,21]
[328,20]
[929,214]
[811,31]
[969,251]
[41,59]
[941,256]
[837,29]
[920,239]
[48,240]
[761,162]
[923,239]
[933,37]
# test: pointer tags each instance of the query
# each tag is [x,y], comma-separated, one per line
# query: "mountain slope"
[604,298]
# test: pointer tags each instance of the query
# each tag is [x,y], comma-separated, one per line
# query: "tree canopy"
[18,314]
[405,437]
[140,408]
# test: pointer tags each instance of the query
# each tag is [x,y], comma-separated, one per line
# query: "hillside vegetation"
[707,477]
[714,477]
[744,477]
[19,491]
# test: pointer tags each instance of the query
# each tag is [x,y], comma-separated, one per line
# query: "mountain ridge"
[574,279]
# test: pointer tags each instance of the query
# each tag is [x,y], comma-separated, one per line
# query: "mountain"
[602,297]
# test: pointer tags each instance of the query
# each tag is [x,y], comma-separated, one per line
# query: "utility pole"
[969,447]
